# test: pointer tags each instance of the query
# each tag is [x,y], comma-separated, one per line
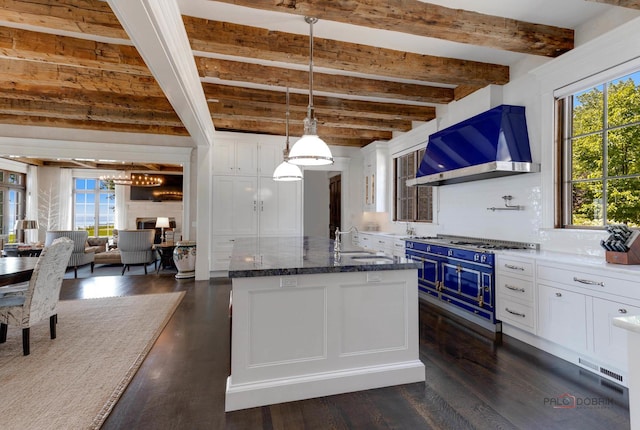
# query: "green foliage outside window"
[605,154]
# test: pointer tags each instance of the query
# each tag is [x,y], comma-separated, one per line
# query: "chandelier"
[310,150]
[136,180]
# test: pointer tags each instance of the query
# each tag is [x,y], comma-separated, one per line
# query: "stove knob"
[428,248]
[483,259]
[476,257]
[450,252]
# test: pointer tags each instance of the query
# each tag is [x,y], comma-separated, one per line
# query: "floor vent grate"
[611,374]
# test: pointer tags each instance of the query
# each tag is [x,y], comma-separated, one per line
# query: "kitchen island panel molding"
[298,314]
[338,328]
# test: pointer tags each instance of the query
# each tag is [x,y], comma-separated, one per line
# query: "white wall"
[462,208]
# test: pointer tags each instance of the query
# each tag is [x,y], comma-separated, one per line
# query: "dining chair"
[40,298]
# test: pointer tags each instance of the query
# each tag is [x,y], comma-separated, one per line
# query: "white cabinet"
[235,205]
[247,201]
[375,177]
[609,341]
[269,157]
[280,207]
[235,158]
[563,317]
[515,292]
[222,250]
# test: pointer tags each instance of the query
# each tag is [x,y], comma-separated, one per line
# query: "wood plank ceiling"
[69,63]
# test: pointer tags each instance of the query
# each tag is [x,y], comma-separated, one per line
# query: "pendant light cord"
[286,127]
[310,20]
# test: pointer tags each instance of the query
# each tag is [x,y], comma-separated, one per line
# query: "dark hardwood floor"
[472,382]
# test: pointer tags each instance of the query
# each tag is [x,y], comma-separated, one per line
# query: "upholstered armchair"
[40,297]
[136,248]
[80,255]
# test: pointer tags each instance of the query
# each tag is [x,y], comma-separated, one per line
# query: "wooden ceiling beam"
[269,127]
[340,84]
[244,41]
[89,112]
[93,17]
[50,48]
[631,4]
[105,100]
[431,20]
[83,163]
[92,125]
[25,75]
[272,99]
[277,114]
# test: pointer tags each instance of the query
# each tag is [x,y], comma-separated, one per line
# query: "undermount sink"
[373,259]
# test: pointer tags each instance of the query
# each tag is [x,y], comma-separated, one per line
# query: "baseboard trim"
[242,396]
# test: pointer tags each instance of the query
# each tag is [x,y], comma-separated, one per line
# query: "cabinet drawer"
[506,265]
[514,287]
[593,281]
[516,314]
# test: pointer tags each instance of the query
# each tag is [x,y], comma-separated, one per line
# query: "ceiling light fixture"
[310,150]
[134,180]
[285,170]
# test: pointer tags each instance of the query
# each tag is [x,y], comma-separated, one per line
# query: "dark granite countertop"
[277,256]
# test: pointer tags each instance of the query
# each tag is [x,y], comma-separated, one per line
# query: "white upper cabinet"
[232,158]
[269,157]
[375,173]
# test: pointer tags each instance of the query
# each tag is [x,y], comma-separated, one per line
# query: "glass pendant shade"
[287,172]
[310,150]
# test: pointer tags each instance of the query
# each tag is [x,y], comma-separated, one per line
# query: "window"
[601,155]
[93,206]
[413,204]
[12,201]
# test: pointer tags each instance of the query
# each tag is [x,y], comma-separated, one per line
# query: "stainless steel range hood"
[489,145]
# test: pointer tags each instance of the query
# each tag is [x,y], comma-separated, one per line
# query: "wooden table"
[165,249]
[14,270]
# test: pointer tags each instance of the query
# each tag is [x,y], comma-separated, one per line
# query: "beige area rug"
[74,381]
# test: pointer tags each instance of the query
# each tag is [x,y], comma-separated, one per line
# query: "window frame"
[418,202]
[94,231]
[9,217]
[563,214]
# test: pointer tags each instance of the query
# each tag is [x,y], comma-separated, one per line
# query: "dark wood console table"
[165,249]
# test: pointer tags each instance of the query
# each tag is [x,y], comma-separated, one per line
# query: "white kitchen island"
[307,324]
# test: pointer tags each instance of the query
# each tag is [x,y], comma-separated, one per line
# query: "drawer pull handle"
[512,288]
[622,311]
[514,312]
[588,282]
[558,294]
[512,267]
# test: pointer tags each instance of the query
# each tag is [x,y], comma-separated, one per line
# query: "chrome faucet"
[411,231]
[336,242]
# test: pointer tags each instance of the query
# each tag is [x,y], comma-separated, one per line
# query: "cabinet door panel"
[280,208]
[247,159]
[245,206]
[609,341]
[562,317]
[223,197]
[270,156]
[224,158]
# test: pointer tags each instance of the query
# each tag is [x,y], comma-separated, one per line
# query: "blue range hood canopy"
[489,145]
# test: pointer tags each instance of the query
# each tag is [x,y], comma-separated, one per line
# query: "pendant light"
[310,150]
[287,171]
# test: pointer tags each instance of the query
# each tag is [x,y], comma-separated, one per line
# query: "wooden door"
[335,188]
